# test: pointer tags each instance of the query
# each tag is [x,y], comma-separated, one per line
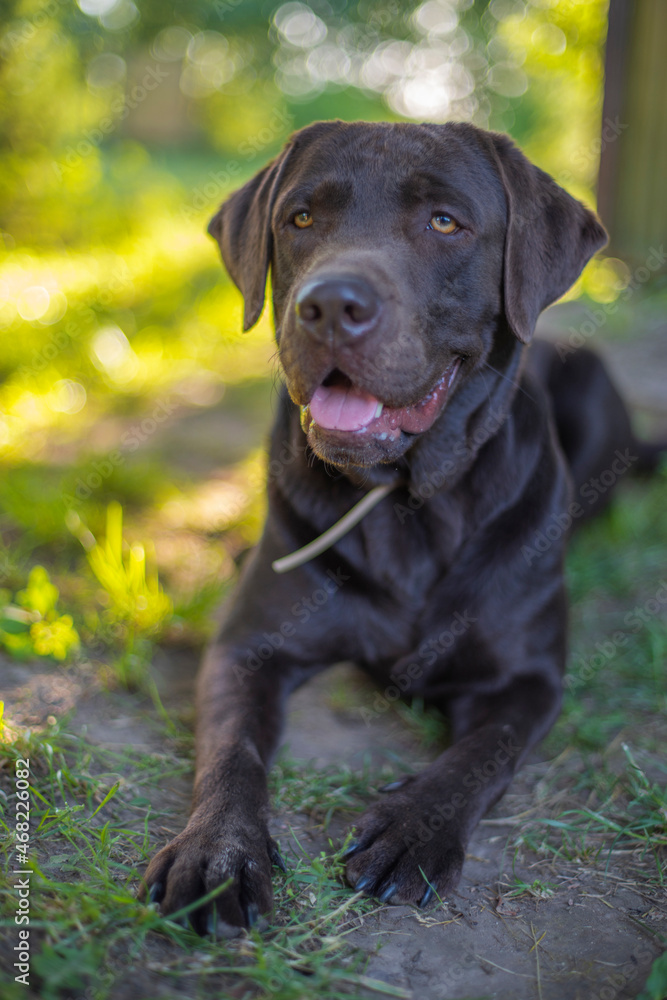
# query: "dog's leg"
[239,716]
[412,842]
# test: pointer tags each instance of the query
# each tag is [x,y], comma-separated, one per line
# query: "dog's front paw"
[404,849]
[204,857]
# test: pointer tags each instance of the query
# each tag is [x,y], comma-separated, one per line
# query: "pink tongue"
[337,408]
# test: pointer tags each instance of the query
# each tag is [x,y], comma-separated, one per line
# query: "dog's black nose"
[331,308]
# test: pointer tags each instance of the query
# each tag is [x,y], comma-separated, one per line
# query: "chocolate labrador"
[409,265]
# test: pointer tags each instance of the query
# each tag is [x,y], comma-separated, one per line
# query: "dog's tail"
[649,456]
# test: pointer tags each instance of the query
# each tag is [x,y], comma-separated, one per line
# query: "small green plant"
[656,984]
[138,606]
[537,889]
[31,624]
[135,594]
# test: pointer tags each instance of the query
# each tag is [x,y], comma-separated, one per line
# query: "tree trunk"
[632,188]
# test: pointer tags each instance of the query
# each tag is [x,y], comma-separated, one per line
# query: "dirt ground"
[584,940]
[482,944]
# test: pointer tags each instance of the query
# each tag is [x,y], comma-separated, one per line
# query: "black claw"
[252,914]
[277,860]
[353,846]
[388,893]
[392,786]
[427,897]
[156,892]
[363,883]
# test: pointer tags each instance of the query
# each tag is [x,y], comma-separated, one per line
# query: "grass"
[323,792]
[608,792]
[97,815]
[90,835]
[94,812]
[140,337]
[537,889]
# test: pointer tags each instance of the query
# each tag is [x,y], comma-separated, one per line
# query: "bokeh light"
[126,125]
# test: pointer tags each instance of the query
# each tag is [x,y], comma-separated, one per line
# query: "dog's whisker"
[517,385]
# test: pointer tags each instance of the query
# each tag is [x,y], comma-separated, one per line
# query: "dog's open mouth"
[338,405]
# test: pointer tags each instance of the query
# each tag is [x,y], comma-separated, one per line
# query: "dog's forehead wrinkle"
[455,151]
[332,191]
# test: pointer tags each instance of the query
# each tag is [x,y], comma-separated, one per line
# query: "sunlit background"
[133,420]
[132,410]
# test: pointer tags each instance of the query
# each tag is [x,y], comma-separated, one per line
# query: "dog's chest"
[410,542]
[408,549]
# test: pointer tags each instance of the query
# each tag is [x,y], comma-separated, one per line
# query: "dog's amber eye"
[443,224]
[303,220]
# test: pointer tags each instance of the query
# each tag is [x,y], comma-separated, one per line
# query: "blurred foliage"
[136,606]
[122,126]
[135,596]
[88,97]
[32,625]
[656,984]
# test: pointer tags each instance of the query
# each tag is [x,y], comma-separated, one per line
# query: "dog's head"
[399,255]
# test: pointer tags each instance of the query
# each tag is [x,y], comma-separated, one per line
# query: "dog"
[419,450]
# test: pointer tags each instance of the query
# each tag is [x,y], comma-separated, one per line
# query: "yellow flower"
[56,638]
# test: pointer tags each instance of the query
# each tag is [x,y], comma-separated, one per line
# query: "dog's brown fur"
[373,295]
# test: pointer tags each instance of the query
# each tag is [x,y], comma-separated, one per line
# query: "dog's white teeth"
[380,408]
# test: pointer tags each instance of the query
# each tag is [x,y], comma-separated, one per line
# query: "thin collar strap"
[335,532]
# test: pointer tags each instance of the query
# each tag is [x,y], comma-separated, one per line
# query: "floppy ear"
[242,227]
[550,237]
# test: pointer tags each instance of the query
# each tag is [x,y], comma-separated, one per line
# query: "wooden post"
[632,187]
